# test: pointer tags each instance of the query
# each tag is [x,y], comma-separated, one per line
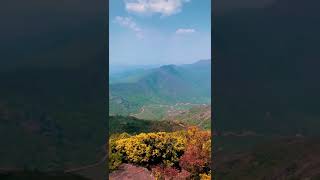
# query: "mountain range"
[168,84]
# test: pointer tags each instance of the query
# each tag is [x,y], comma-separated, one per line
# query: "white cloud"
[185,31]
[149,7]
[130,24]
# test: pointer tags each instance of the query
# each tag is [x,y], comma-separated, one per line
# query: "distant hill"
[117,72]
[128,76]
[163,85]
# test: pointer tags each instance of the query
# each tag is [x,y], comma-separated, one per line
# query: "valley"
[158,91]
[164,111]
[156,109]
[169,93]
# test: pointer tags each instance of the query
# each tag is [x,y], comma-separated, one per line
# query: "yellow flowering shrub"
[115,158]
[169,154]
[205,176]
[147,148]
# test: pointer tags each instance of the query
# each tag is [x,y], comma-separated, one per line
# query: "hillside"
[128,73]
[198,115]
[165,85]
[132,125]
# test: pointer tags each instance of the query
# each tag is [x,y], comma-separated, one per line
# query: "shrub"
[170,155]
[115,158]
[169,173]
[205,176]
[197,156]
[148,149]
[161,172]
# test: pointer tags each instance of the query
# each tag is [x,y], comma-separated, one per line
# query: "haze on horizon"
[159,32]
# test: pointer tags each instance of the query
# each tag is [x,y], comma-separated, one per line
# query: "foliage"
[132,125]
[151,148]
[205,176]
[115,158]
[197,156]
[161,172]
[167,154]
[170,173]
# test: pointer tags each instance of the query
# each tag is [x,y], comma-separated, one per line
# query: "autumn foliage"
[197,155]
[168,155]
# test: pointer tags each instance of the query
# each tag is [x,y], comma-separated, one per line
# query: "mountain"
[127,76]
[116,70]
[167,84]
[267,68]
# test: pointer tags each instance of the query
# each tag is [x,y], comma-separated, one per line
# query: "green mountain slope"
[165,85]
[130,76]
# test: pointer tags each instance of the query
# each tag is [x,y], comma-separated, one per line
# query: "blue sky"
[159,31]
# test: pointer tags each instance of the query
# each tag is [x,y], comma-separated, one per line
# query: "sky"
[144,32]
